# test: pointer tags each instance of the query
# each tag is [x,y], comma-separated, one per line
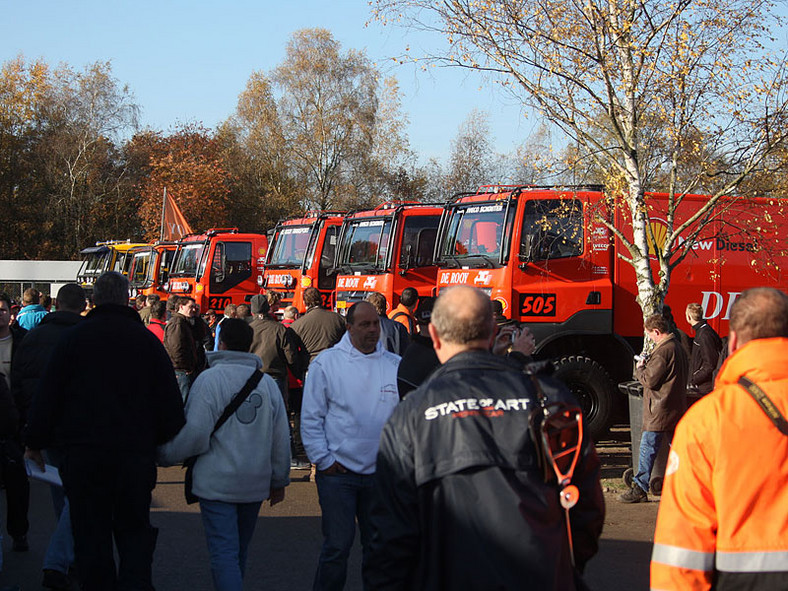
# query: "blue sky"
[187,61]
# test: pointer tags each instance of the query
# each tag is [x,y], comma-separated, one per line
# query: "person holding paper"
[108,398]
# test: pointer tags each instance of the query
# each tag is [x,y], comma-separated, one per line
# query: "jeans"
[228,531]
[650,442]
[343,499]
[55,457]
[184,383]
[60,552]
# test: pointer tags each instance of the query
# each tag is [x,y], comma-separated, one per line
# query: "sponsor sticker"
[537,304]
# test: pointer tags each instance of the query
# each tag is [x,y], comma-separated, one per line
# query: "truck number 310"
[537,304]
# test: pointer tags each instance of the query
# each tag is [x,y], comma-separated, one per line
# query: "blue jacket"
[30,316]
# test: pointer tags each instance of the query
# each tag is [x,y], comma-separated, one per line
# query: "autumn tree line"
[649,105]
[323,130]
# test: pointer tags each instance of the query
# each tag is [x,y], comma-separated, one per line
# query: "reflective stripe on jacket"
[722,518]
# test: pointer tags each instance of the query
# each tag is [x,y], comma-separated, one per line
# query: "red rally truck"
[544,254]
[387,249]
[301,255]
[217,268]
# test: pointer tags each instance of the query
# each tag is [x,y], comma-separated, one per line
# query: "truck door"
[554,286]
[231,265]
[326,279]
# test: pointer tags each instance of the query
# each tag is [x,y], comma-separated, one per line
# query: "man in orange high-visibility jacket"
[404,312]
[723,517]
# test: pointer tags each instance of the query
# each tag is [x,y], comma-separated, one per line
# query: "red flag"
[173,225]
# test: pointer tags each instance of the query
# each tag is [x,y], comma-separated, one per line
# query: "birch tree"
[327,105]
[470,162]
[264,187]
[688,93]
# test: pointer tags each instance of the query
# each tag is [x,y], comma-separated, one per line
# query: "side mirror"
[220,272]
[408,256]
[527,248]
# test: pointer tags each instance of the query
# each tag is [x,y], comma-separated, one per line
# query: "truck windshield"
[188,260]
[474,233]
[94,264]
[141,269]
[366,243]
[290,245]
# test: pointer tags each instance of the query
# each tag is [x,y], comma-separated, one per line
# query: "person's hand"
[335,468]
[525,342]
[35,456]
[503,340]
[277,495]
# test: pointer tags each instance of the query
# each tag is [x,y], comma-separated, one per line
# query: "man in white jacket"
[349,394]
[246,461]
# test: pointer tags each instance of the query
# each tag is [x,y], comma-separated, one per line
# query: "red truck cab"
[217,268]
[387,249]
[301,255]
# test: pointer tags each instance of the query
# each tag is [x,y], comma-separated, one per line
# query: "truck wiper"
[455,263]
[489,260]
[361,268]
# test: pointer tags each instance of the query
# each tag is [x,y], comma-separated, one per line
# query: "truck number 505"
[537,304]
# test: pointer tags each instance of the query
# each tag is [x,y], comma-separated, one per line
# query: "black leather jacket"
[706,347]
[460,500]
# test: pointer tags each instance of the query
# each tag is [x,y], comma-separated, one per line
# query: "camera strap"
[766,404]
[557,431]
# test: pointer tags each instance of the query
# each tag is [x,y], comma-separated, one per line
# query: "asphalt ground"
[287,540]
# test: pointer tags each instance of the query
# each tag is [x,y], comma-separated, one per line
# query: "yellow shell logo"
[659,229]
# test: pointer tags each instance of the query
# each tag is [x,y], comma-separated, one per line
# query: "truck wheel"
[589,383]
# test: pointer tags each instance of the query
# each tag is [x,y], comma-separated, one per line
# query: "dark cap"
[259,304]
[423,311]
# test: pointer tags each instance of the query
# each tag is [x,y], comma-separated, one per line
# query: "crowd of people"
[431,428]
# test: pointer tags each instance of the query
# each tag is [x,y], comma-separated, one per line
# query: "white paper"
[50,475]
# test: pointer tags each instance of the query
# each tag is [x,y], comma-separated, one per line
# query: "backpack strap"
[411,327]
[766,404]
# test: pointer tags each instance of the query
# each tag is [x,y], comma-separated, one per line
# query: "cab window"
[418,241]
[552,229]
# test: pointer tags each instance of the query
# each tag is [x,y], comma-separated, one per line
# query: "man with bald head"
[721,522]
[461,499]
[349,393]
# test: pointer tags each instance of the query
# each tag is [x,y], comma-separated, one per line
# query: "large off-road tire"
[594,390]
